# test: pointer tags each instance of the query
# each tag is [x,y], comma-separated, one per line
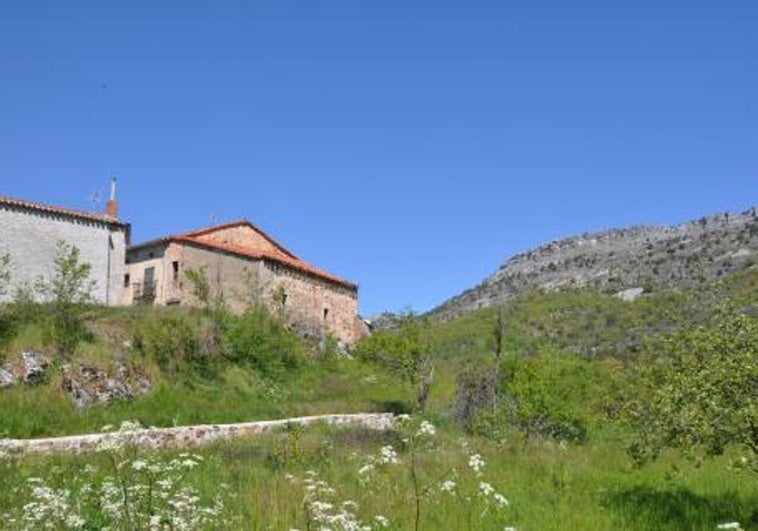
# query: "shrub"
[180,344]
[257,339]
[696,391]
[546,396]
[404,350]
[69,291]
[475,392]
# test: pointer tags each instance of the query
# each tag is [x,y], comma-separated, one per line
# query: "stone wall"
[315,306]
[311,304]
[30,238]
[184,436]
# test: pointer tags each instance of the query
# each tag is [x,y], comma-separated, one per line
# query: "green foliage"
[260,341]
[214,305]
[69,291]
[696,391]
[402,350]
[6,322]
[406,351]
[475,394]
[547,395]
[5,273]
[200,286]
[180,344]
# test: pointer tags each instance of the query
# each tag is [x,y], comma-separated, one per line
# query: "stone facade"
[244,266]
[29,235]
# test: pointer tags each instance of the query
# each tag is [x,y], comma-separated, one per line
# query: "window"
[175,266]
[326,313]
[126,280]
[148,284]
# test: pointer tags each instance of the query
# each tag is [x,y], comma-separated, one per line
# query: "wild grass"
[549,484]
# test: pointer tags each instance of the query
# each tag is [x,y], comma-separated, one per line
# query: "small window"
[126,280]
[175,265]
[151,255]
[326,313]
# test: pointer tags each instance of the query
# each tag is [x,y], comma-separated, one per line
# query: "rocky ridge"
[615,260]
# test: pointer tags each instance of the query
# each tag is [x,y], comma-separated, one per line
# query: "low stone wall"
[186,435]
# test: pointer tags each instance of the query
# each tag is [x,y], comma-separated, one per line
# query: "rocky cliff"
[614,260]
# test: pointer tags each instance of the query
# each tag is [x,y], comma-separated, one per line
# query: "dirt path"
[187,435]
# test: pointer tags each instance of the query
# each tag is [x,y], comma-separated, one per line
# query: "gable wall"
[242,235]
[30,238]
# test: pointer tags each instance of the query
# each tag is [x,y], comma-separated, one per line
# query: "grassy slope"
[550,486]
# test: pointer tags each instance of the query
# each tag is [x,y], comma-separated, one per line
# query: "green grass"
[549,485]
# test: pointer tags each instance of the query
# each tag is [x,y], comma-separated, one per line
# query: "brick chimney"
[111,207]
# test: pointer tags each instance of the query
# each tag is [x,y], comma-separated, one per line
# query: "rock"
[86,385]
[34,366]
[114,390]
[678,257]
[631,294]
[6,378]
[76,392]
[91,374]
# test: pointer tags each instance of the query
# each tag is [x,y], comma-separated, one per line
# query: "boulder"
[76,392]
[6,378]
[34,366]
[630,294]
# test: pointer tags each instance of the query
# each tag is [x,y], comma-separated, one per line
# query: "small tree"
[68,291]
[5,273]
[498,334]
[5,318]
[214,305]
[406,350]
[697,392]
[200,286]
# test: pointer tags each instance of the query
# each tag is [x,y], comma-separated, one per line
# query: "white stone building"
[30,232]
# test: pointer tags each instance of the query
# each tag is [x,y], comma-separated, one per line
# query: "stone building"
[30,233]
[243,265]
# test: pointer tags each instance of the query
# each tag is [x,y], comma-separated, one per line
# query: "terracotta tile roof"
[281,255]
[50,209]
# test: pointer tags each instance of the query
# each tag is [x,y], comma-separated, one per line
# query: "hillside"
[678,256]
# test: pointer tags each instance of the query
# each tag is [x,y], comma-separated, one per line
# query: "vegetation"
[696,391]
[68,291]
[550,392]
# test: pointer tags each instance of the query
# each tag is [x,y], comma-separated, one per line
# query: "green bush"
[548,395]
[257,339]
[68,291]
[180,344]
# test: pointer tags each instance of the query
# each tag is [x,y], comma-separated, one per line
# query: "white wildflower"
[729,525]
[139,464]
[189,464]
[381,521]
[476,463]
[448,486]
[500,500]
[485,489]
[426,428]
[365,469]
[388,455]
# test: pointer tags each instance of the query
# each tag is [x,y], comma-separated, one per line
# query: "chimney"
[111,207]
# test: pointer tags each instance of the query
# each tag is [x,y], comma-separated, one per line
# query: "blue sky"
[408,146]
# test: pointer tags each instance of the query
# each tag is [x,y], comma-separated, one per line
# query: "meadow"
[548,448]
